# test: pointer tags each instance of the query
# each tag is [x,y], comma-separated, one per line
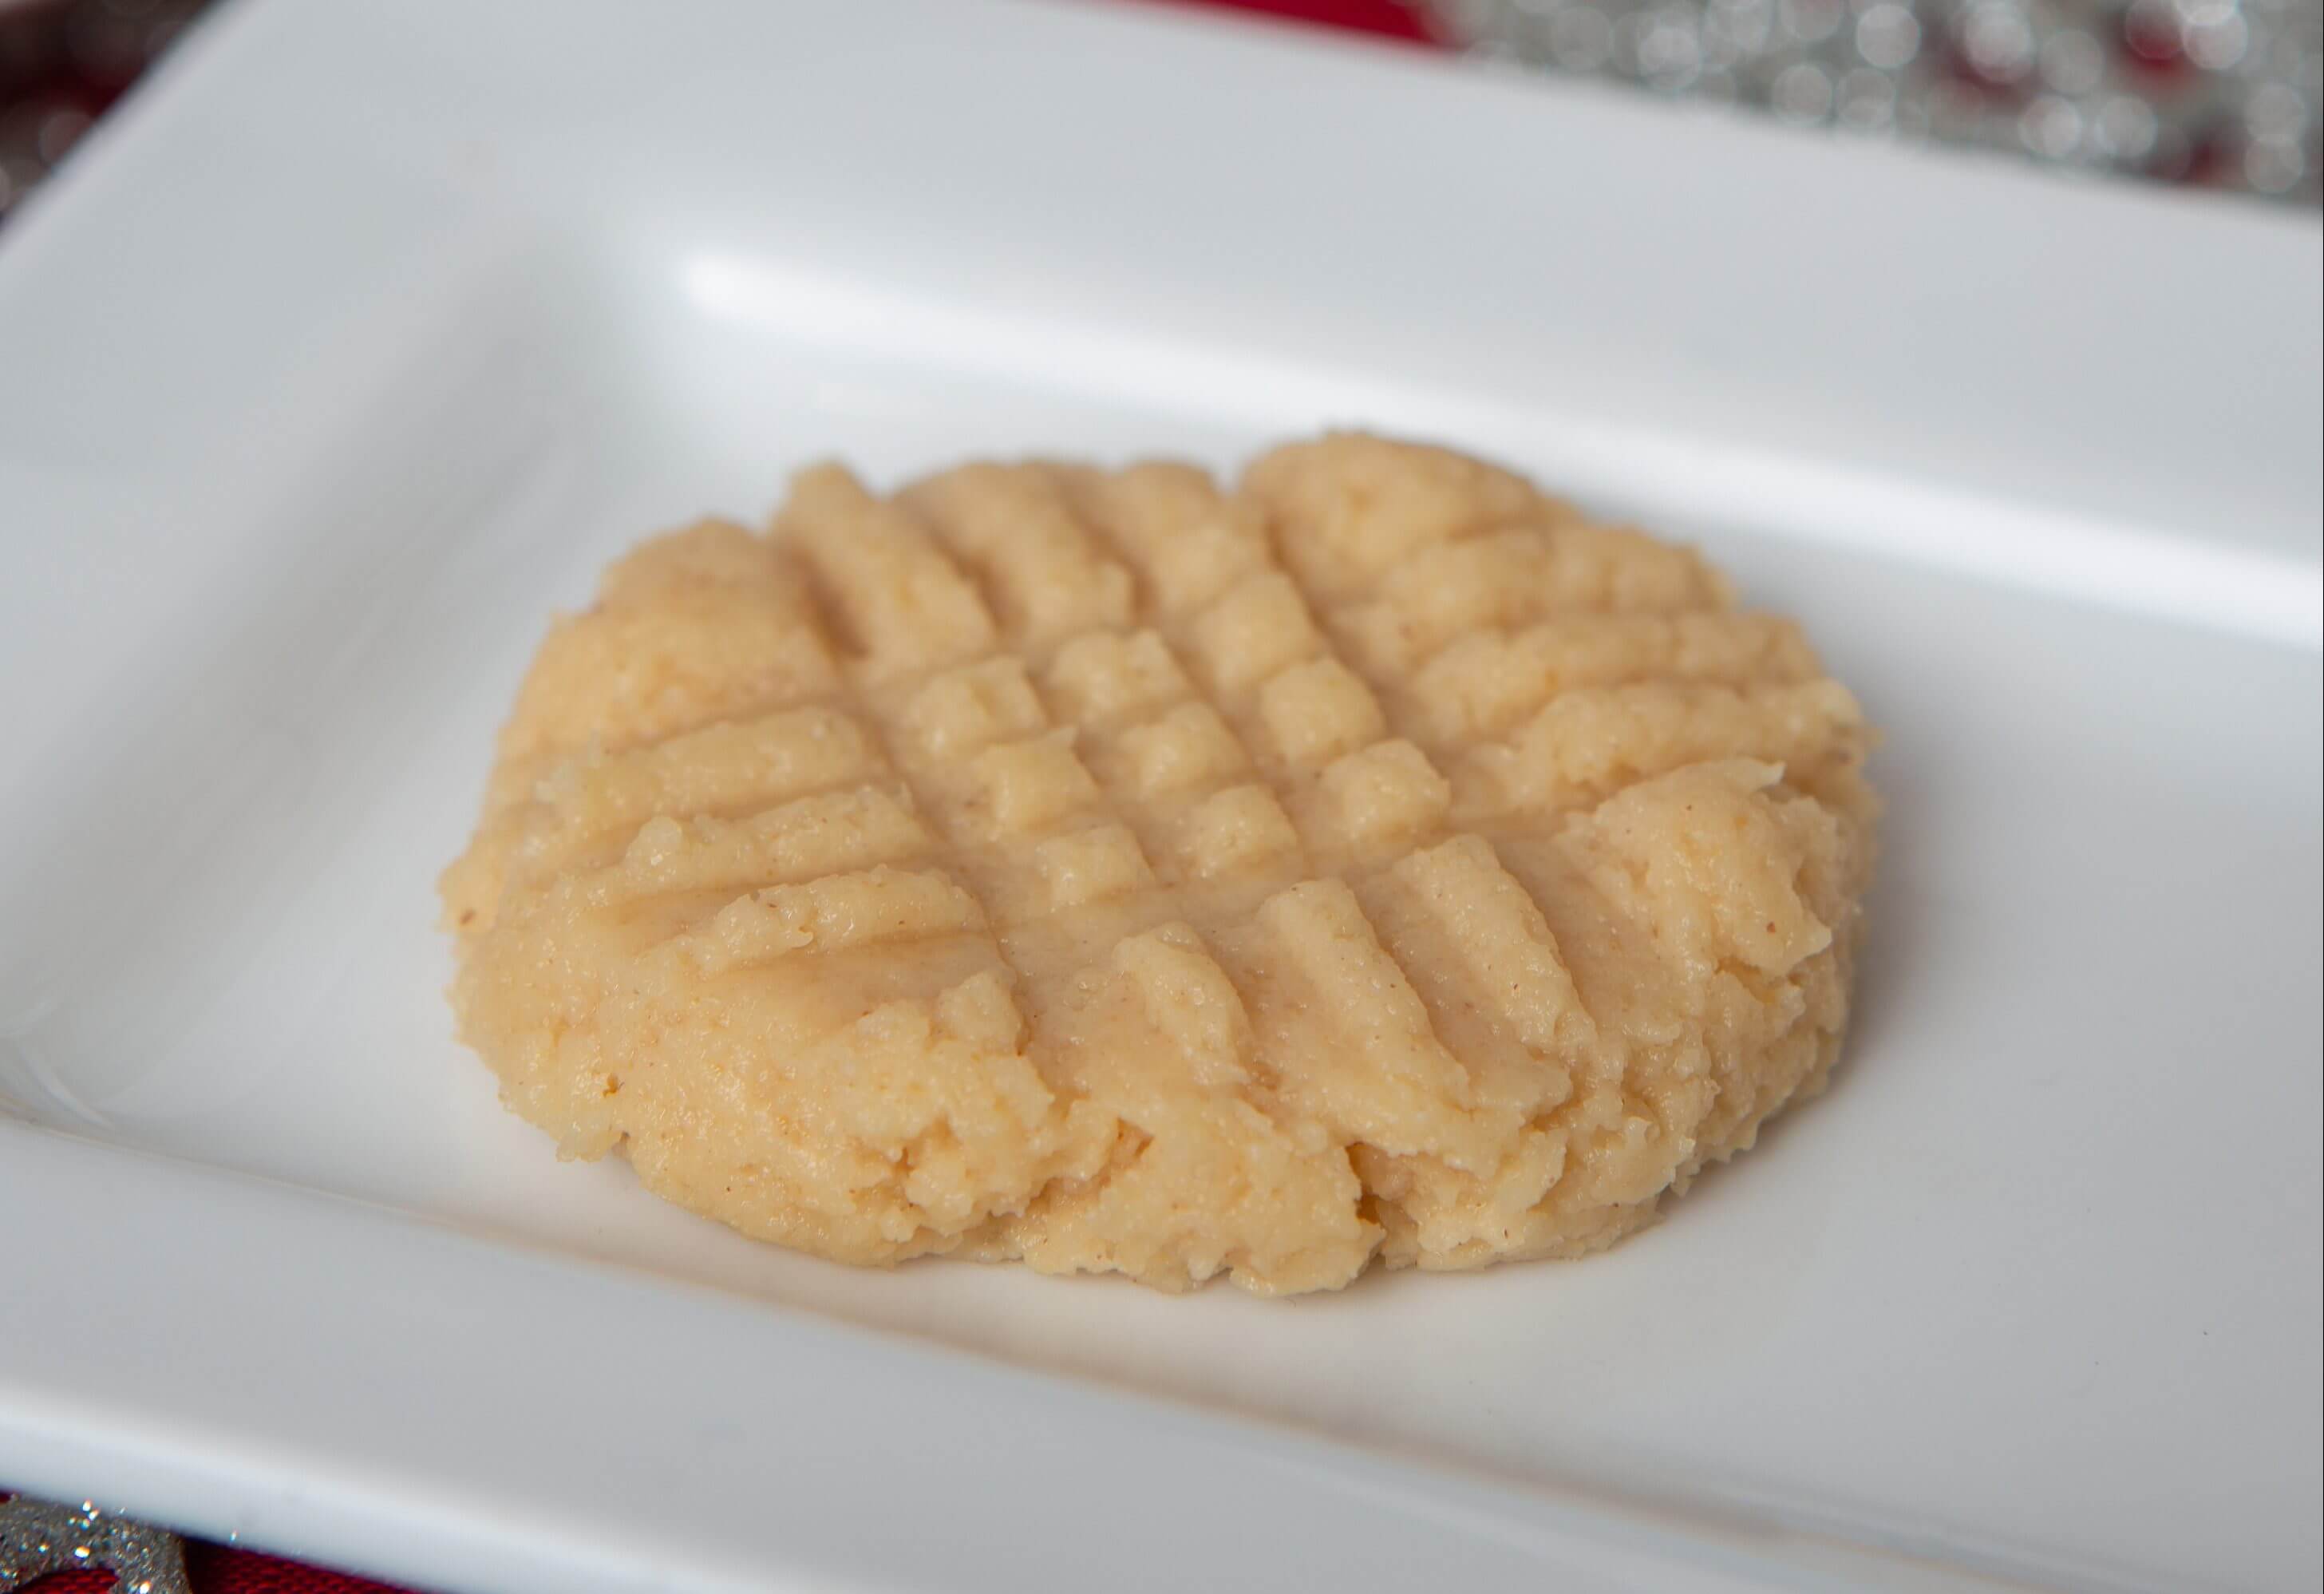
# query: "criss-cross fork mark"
[1115,694]
[1116,690]
[1095,761]
[1546,659]
[1107,690]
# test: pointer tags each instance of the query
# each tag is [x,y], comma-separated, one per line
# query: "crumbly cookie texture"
[1109,872]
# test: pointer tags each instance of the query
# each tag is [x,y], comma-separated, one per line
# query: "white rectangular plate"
[367,335]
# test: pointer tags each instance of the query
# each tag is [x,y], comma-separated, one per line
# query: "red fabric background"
[1391,17]
[215,1568]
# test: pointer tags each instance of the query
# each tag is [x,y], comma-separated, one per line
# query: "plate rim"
[287,1502]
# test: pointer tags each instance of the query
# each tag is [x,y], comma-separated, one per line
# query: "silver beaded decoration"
[37,1538]
[2226,93]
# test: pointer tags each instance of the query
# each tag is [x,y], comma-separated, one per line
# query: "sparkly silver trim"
[2224,93]
[37,1539]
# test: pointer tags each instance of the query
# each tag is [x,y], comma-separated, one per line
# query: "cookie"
[1109,872]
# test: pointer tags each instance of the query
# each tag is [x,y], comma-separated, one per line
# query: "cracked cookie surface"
[1113,872]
